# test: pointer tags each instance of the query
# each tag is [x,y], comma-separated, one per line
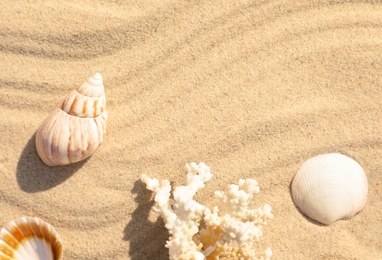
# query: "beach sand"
[250,88]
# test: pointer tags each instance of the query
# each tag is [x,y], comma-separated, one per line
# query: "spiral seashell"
[30,238]
[74,131]
[330,187]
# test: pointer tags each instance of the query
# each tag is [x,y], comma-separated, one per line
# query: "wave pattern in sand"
[252,88]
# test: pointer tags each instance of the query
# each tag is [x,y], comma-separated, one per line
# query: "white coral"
[182,214]
[235,225]
[231,231]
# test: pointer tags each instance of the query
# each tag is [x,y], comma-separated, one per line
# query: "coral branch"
[231,231]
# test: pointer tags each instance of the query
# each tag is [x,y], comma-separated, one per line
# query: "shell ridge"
[55,137]
[38,241]
[8,239]
[28,243]
[44,147]
[12,232]
[6,252]
[83,106]
[99,130]
[6,249]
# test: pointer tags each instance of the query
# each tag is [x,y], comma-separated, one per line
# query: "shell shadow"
[34,176]
[147,239]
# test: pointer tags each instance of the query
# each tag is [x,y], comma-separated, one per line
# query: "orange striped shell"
[29,238]
[74,131]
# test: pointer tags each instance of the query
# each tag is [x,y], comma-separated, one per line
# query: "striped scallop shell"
[29,238]
[330,187]
[74,131]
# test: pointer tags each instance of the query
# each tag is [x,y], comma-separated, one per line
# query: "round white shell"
[30,238]
[74,131]
[330,187]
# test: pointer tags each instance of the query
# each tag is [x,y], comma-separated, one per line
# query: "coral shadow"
[34,176]
[147,239]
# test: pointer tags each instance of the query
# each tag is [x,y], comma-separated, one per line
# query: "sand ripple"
[252,88]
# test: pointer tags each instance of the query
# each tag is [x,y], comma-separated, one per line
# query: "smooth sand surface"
[251,88]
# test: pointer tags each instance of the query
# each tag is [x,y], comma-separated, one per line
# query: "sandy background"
[251,88]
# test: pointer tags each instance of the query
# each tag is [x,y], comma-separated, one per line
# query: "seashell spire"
[92,87]
[74,131]
[88,100]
